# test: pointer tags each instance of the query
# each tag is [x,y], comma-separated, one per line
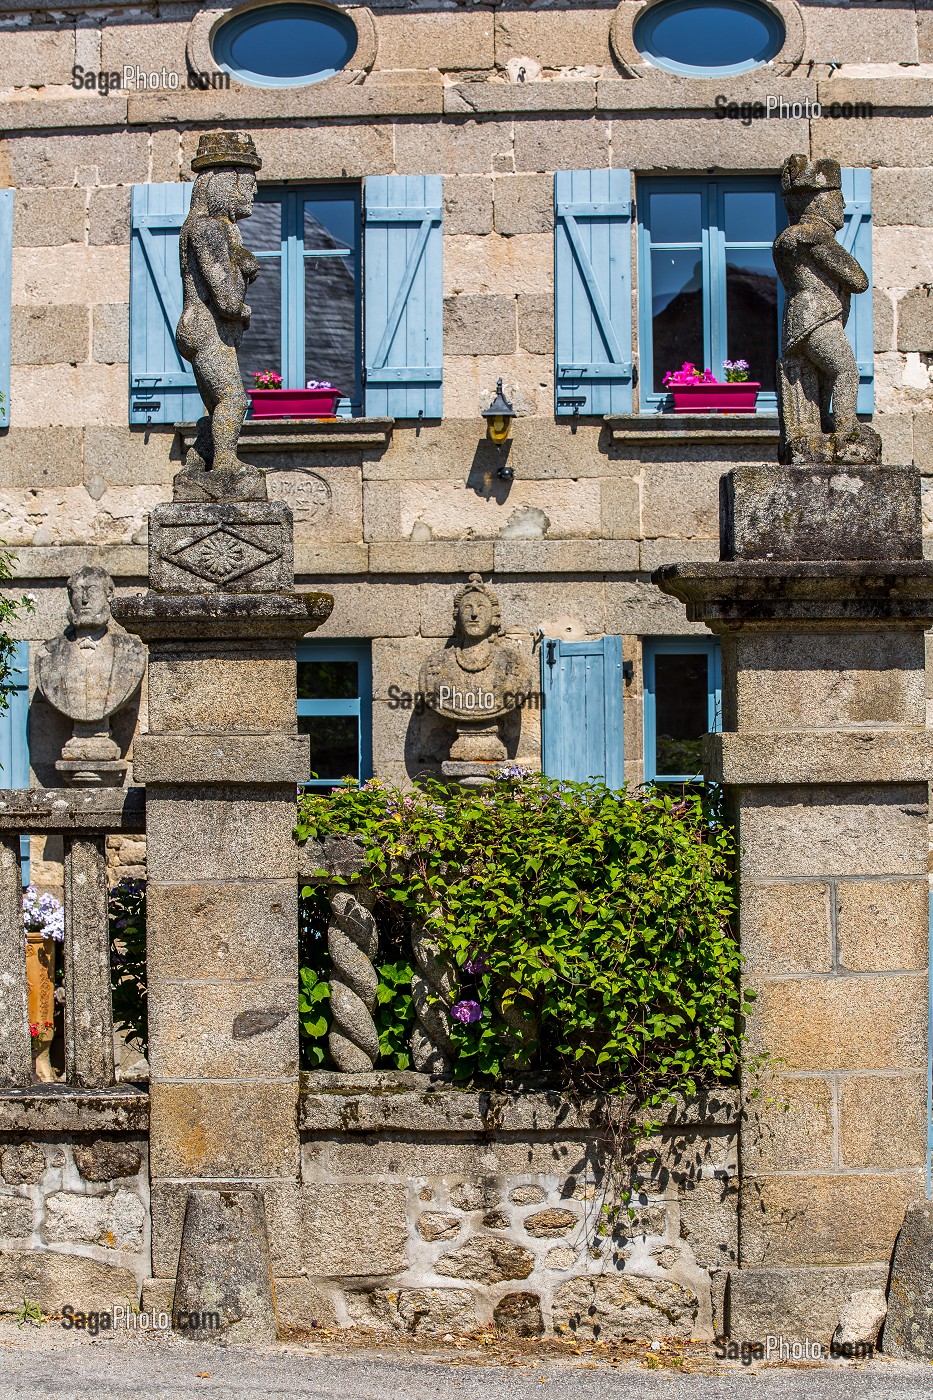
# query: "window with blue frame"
[335,707]
[683,685]
[306,302]
[708,288]
[14,736]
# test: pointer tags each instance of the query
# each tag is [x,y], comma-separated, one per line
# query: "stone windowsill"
[408,1102]
[306,434]
[63,1108]
[694,427]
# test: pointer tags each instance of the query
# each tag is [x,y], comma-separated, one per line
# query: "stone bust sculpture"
[87,673]
[818,366]
[477,679]
[216,269]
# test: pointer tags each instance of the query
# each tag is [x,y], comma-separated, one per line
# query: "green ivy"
[599,918]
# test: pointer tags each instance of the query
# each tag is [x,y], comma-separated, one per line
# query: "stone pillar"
[88,1009]
[15,1049]
[220,762]
[825,760]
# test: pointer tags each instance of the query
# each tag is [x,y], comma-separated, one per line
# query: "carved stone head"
[89,593]
[476,611]
[813,187]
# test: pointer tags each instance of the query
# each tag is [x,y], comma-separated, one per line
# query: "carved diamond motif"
[220,553]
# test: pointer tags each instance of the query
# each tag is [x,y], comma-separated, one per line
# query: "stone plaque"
[221,548]
[308,495]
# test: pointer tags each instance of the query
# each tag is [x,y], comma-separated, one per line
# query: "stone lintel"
[62,1108]
[408,1102]
[228,758]
[820,756]
[222,616]
[803,595]
[820,512]
[106,810]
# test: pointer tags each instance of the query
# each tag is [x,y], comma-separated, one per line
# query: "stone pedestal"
[221,761]
[826,761]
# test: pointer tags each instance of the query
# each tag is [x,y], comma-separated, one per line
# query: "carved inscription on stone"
[308,495]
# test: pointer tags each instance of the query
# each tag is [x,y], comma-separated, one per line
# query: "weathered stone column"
[220,762]
[825,758]
[15,1051]
[88,1008]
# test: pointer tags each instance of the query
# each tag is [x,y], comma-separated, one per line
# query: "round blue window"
[285,45]
[708,38]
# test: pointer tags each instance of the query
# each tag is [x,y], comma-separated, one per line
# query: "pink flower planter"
[293,403]
[715,398]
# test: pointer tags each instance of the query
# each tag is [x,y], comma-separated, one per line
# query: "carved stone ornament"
[477,678]
[817,374]
[88,673]
[216,269]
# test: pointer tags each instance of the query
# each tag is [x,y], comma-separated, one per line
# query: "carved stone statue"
[477,679]
[818,366]
[88,672]
[216,269]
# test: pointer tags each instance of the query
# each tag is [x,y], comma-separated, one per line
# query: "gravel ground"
[46,1362]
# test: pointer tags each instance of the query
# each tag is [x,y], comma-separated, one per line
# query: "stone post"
[88,1009]
[821,602]
[220,762]
[15,1050]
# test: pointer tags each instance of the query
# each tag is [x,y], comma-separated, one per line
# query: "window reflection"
[681,690]
[677,311]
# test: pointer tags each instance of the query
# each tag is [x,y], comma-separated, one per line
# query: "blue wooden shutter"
[581,724]
[162,387]
[14,737]
[593,291]
[404,296]
[6,297]
[856,239]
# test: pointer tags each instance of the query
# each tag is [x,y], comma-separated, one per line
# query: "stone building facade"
[390,516]
[527,120]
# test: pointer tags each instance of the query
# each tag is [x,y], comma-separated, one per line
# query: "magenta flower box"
[715,398]
[293,403]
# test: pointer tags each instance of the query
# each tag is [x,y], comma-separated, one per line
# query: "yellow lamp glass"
[498,428]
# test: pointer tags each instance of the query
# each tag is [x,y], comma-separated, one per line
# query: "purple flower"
[475,964]
[466,1012]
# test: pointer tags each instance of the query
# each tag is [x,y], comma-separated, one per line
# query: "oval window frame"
[230,29]
[634,63]
[662,9]
[203,26]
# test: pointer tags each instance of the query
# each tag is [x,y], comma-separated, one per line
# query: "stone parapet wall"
[427,1210]
[74,1199]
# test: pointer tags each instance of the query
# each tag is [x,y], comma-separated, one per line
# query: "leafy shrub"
[596,921]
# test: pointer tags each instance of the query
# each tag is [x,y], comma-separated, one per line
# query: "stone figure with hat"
[216,269]
[817,374]
[477,679]
[88,673]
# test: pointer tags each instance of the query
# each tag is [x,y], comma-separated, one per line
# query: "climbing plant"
[599,918]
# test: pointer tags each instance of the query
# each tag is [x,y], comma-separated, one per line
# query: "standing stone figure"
[88,672]
[477,679]
[216,269]
[818,366]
